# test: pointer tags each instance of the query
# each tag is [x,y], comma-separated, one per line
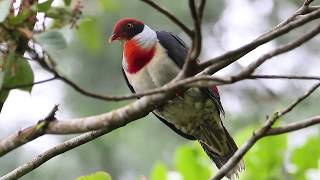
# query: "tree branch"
[172,17]
[29,85]
[296,77]
[27,135]
[294,126]
[49,154]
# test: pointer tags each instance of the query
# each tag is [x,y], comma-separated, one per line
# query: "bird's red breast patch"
[137,57]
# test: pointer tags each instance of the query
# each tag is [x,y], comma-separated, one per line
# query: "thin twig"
[296,77]
[294,126]
[172,17]
[201,9]
[30,85]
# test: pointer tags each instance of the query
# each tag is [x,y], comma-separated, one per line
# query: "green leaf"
[109,5]
[52,41]
[45,6]
[90,34]
[192,165]
[100,175]
[67,2]
[16,72]
[15,20]
[4,9]
[306,157]
[159,172]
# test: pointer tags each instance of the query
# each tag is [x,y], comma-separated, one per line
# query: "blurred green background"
[147,147]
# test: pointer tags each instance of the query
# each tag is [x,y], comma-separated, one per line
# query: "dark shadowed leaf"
[100,175]
[4,9]
[67,2]
[16,72]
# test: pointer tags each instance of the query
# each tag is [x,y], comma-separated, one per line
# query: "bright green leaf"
[109,5]
[16,72]
[90,34]
[159,172]
[52,41]
[4,9]
[45,6]
[190,163]
[306,157]
[100,175]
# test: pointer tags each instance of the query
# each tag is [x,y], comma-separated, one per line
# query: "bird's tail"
[219,146]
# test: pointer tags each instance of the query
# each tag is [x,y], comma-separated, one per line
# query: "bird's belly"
[189,111]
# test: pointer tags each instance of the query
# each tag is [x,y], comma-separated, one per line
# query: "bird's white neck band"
[147,38]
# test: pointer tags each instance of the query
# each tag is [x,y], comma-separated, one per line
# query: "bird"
[151,59]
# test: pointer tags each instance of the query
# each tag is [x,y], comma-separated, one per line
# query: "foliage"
[100,175]
[17,33]
[15,71]
[265,159]
[159,172]
[52,41]
[192,163]
[306,157]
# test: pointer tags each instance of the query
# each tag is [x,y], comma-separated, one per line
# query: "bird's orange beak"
[113,37]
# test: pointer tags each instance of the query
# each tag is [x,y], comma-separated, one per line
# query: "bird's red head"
[126,28]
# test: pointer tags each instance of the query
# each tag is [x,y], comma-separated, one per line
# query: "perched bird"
[152,59]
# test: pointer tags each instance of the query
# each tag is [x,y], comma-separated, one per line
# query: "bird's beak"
[113,37]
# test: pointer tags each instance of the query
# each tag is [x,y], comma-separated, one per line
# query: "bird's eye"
[129,25]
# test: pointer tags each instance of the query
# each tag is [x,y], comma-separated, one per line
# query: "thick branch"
[47,155]
[27,135]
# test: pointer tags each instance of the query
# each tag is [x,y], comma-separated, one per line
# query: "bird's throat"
[137,57]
